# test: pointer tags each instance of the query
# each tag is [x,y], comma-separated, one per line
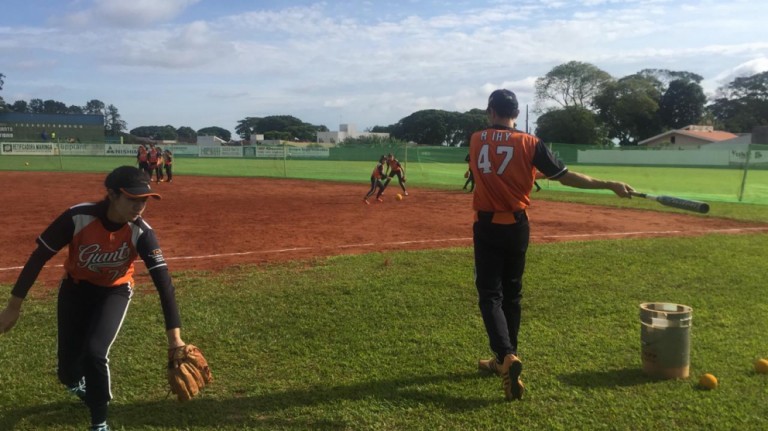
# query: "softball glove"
[188,371]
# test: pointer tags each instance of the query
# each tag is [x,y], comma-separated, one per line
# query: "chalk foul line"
[445,240]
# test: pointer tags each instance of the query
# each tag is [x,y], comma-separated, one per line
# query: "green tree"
[286,127]
[571,84]
[471,122]
[221,133]
[158,133]
[682,101]
[381,129]
[436,127]
[36,106]
[54,107]
[628,108]
[113,124]
[661,78]
[742,104]
[20,106]
[94,107]
[186,134]
[682,104]
[74,109]
[247,127]
[426,127]
[274,135]
[571,125]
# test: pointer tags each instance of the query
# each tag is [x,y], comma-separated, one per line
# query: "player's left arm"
[149,250]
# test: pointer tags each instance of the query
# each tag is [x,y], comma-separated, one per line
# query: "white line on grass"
[433,241]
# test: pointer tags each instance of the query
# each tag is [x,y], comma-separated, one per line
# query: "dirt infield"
[212,223]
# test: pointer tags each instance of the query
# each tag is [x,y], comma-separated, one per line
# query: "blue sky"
[201,63]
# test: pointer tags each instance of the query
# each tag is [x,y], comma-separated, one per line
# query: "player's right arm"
[29,273]
[582,181]
[48,244]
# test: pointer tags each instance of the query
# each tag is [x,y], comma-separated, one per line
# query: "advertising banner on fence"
[27,148]
[221,151]
[183,150]
[120,150]
[78,149]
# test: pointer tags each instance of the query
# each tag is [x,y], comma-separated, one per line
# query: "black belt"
[507,217]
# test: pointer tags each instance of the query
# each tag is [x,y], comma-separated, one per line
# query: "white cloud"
[128,13]
[747,68]
[193,45]
[372,64]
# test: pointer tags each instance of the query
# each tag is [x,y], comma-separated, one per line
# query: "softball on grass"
[26,163]
[761,366]
[399,197]
[708,381]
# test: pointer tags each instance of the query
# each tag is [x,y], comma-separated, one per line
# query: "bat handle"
[638,194]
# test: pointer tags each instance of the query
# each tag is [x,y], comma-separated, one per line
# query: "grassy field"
[717,185]
[354,343]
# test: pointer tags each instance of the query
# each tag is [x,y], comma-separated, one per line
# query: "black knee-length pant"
[500,251]
[89,319]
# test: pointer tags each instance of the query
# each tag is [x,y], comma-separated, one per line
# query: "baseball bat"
[680,203]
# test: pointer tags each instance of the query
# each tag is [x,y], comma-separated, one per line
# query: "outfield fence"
[726,175]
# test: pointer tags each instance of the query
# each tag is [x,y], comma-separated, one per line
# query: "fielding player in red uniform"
[142,158]
[104,239]
[376,176]
[395,169]
[153,158]
[504,163]
[168,161]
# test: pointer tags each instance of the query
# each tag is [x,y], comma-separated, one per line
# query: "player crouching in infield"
[104,239]
[504,161]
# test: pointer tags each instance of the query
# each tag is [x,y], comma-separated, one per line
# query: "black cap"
[504,103]
[130,181]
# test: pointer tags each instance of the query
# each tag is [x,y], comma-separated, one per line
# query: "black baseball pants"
[499,265]
[89,319]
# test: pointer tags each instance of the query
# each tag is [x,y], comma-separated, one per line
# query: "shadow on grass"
[266,411]
[606,379]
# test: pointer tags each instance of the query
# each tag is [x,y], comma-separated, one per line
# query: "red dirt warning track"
[210,223]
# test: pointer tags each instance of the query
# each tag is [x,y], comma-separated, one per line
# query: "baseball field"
[317,311]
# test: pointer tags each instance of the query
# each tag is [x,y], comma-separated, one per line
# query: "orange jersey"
[153,156]
[504,163]
[378,171]
[101,252]
[394,165]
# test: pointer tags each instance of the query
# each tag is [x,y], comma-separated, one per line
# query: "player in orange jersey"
[168,162]
[153,159]
[160,165]
[104,239]
[376,175]
[142,158]
[504,162]
[395,170]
